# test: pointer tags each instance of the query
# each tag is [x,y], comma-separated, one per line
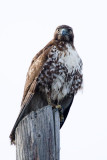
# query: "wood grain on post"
[37,135]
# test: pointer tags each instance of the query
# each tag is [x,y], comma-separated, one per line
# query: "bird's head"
[64,33]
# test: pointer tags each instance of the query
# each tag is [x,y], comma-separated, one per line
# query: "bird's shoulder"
[48,46]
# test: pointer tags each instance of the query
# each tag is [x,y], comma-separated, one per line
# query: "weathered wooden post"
[37,135]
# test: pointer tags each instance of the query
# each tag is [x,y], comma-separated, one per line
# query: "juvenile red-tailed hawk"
[55,74]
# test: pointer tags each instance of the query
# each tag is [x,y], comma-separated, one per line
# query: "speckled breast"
[61,74]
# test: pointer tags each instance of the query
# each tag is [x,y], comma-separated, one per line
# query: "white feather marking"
[72,62]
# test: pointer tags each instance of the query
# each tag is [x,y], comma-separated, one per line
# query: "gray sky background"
[25,28]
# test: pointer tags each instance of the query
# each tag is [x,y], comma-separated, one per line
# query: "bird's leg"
[49,101]
[59,107]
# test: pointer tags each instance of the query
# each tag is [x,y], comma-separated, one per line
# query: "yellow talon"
[58,107]
[49,101]
[61,118]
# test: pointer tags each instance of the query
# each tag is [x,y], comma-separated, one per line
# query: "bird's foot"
[61,118]
[49,101]
[59,107]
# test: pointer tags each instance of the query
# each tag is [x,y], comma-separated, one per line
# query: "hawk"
[54,76]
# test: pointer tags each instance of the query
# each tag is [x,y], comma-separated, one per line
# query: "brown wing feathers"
[34,71]
[30,85]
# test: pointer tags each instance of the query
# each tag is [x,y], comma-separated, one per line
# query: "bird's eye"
[70,30]
[57,29]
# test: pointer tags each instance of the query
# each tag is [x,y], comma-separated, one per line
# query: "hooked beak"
[64,32]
